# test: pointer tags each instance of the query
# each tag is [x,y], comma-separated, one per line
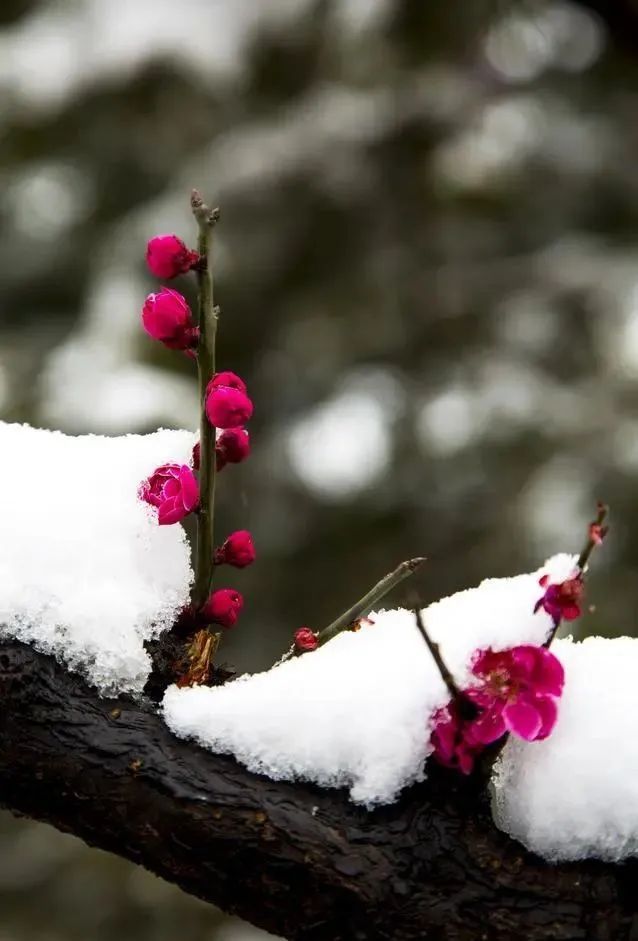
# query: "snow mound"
[85,571]
[575,795]
[355,712]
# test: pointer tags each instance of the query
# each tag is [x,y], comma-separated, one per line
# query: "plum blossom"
[223,607]
[513,691]
[305,639]
[232,447]
[238,550]
[227,404]
[167,256]
[167,317]
[173,489]
[562,600]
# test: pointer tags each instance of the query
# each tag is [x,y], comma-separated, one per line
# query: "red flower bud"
[167,317]
[195,459]
[232,447]
[597,533]
[223,607]
[306,640]
[167,256]
[237,550]
[227,378]
[227,407]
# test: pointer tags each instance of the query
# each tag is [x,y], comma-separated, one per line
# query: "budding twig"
[364,605]
[208,314]
[595,536]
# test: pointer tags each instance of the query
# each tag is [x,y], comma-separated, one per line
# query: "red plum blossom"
[167,317]
[173,489]
[167,256]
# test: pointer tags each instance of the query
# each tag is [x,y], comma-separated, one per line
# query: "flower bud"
[196,458]
[223,607]
[227,407]
[237,550]
[167,317]
[227,378]
[305,640]
[167,256]
[232,447]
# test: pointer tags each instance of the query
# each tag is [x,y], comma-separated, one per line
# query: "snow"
[355,712]
[575,795]
[85,571]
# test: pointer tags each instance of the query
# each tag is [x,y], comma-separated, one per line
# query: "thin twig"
[446,676]
[363,606]
[208,314]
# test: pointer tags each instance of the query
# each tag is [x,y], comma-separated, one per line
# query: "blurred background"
[428,271]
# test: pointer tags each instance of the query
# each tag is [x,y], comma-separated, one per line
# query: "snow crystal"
[355,712]
[85,571]
[575,795]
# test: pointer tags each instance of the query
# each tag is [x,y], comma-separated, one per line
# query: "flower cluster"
[173,489]
[513,690]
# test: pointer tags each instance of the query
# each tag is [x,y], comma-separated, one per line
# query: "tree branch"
[299,861]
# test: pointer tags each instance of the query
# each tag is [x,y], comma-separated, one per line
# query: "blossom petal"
[171,511]
[489,726]
[549,675]
[523,718]
[548,710]
[190,488]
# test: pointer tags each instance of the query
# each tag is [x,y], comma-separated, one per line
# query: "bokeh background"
[428,271]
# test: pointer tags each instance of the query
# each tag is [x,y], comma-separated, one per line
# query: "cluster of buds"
[173,489]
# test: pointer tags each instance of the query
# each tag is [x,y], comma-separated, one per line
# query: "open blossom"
[562,600]
[515,691]
[167,256]
[173,489]
[223,607]
[237,550]
[305,639]
[227,406]
[167,317]
[232,447]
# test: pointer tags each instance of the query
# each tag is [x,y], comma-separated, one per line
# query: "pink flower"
[237,550]
[167,317]
[227,406]
[232,447]
[223,607]
[562,600]
[517,693]
[167,256]
[452,747]
[172,488]
[305,640]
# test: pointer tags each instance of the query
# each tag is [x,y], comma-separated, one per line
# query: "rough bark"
[298,861]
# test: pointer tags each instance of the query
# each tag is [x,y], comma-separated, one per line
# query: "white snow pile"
[85,571]
[575,795]
[355,712]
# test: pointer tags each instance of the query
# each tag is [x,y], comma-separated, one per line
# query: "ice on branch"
[356,712]
[575,795]
[85,571]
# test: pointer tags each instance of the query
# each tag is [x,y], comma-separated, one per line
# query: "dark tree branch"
[299,861]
